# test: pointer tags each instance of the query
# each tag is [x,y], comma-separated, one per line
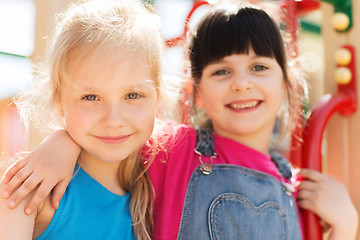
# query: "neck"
[259,141]
[256,144]
[106,173]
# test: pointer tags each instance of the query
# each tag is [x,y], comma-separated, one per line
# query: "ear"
[189,87]
[199,100]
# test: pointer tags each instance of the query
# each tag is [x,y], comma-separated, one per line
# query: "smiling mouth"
[244,105]
[113,140]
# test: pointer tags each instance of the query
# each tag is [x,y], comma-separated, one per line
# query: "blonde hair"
[111,26]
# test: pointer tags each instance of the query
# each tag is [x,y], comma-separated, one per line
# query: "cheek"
[77,119]
[211,94]
[278,95]
[205,89]
[143,122]
[283,91]
[142,115]
[74,122]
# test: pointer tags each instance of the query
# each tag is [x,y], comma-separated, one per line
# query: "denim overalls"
[229,202]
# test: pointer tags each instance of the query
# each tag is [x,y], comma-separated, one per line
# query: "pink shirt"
[171,170]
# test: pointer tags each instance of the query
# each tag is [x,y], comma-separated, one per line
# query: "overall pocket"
[233,216]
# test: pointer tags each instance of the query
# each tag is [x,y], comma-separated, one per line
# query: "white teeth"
[244,105]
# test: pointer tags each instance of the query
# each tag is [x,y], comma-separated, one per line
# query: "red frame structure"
[343,102]
[180,39]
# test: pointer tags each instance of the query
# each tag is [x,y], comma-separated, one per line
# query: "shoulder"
[169,137]
[175,146]
[22,226]
[14,223]
[177,138]
[172,131]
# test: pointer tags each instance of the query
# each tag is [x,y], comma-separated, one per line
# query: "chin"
[110,157]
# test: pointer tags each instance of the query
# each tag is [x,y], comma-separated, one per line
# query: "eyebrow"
[147,84]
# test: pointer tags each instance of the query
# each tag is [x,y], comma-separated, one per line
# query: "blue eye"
[258,68]
[221,72]
[90,97]
[133,96]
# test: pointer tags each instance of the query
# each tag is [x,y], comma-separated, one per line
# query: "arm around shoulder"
[49,166]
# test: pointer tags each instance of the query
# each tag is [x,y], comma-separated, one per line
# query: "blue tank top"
[89,211]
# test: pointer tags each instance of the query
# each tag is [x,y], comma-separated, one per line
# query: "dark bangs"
[223,33]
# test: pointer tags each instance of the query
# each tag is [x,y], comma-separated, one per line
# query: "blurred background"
[26,24]
[320,32]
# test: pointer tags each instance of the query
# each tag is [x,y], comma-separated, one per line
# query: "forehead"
[114,70]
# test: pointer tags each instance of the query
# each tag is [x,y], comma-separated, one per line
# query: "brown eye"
[258,68]
[221,72]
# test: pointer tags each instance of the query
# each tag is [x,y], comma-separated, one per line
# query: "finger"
[311,174]
[41,193]
[13,169]
[24,190]
[308,200]
[306,204]
[325,226]
[305,194]
[307,185]
[16,181]
[58,192]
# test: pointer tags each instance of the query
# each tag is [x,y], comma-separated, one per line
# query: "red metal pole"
[343,102]
[311,152]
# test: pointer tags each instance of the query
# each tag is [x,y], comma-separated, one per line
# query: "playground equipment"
[344,102]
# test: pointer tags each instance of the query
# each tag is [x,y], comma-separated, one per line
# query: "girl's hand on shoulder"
[48,167]
[330,200]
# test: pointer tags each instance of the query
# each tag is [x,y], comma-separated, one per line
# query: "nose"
[241,82]
[113,116]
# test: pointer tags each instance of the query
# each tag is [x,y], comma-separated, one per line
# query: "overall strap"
[204,142]
[205,147]
[285,169]
[282,164]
